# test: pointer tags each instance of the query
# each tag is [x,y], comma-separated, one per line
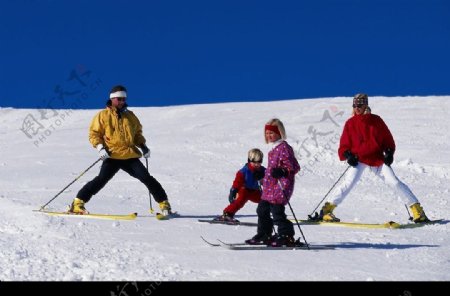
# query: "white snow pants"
[384,172]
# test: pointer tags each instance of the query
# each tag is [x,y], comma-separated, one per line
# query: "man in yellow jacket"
[117,133]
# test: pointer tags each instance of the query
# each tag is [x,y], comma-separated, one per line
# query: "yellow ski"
[390,224]
[131,216]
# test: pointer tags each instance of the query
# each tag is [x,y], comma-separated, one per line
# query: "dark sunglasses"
[121,99]
[358,105]
[260,161]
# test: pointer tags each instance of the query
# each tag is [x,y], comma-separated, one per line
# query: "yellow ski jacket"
[119,133]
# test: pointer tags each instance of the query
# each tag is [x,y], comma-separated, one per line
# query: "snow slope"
[196,151]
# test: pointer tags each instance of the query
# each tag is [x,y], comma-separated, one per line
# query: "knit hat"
[273,128]
[275,125]
[361,99]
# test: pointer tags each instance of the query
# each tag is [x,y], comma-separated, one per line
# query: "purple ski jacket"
[281,156]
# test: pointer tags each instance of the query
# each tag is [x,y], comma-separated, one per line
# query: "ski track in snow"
[196,151]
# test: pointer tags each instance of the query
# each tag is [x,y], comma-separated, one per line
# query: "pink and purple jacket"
[281,156]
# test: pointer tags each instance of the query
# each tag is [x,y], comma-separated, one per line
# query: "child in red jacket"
[245,186]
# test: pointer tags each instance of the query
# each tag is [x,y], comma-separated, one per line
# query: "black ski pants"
[132,166]
[265,222]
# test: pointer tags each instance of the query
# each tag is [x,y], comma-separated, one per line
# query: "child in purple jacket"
[278,186]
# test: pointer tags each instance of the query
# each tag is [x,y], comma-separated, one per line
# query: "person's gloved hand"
[258,174]
[102,152]
[145,151]
[388,157]
[232,196]
[352,159]
[278,173]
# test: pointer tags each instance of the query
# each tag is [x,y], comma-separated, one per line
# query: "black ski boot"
[260,239]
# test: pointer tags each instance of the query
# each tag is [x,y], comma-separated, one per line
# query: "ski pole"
[70,184]
[332,187]
[149,194]
[293,214]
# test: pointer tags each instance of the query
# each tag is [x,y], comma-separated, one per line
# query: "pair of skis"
[235,222]
[389,225]
[244,246]
[130,216]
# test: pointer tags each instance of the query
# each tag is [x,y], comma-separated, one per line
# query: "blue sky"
[68,54]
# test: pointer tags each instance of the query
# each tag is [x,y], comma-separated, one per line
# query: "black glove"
[232,196]
[388,157]
[258,174]
[352,159]
[145,151]
[278,173]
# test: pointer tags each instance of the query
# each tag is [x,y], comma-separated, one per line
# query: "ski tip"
[209,243]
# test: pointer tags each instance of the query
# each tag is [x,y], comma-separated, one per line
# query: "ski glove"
[278,173]
[232,196]
[352,159]
[258,174]
[145,151]
[102,152]
[388,157]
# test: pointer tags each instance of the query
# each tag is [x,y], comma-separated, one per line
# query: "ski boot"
[418,214]
[260,239]
[166,210]
[77,207]
[284,241]
[226,217]
[326,213]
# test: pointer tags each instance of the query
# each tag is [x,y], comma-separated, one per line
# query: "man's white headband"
[118,94]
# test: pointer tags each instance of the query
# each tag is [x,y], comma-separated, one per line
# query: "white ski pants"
[384,172]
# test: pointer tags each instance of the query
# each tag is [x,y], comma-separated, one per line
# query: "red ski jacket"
[366,136]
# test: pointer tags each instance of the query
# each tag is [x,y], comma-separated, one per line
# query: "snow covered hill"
[196,151]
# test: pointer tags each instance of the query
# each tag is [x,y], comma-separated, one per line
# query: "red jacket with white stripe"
[366,136]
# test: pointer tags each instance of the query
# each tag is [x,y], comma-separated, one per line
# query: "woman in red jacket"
[367,143]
